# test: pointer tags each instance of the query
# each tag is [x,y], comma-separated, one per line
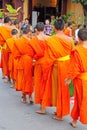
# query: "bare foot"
[3,77]
[55,113]
[73,124]
[12,86]
[58,118]
[41,112]
[7,81]
[23,99]
[31,100]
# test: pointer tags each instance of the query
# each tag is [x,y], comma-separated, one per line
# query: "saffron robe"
[5,33]
[77,67]
[11,62]
[23,53]
[68,32]
[60,47]
[42,72]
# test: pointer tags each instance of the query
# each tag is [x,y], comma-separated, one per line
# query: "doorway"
[1,4]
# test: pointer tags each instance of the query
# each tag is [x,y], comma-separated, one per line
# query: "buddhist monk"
[68,30]
[24,53]
[78,72]
[60,46]
[11,61]
[5,33]
[15,25]
[42,70]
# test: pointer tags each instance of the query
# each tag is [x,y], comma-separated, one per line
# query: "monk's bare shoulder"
[69,39]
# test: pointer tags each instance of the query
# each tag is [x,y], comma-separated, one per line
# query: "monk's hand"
[67,81]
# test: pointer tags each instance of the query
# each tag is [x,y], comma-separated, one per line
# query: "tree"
[84,5]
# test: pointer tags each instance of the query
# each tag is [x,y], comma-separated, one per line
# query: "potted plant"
[12,12]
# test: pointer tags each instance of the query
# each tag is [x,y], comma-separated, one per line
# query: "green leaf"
[10,9]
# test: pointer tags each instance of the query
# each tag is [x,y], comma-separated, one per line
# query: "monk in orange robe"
[60,46]
[42,69]
[78,72]
[68,30]
[11,61]
[5,33]
[15,25]
[24,53]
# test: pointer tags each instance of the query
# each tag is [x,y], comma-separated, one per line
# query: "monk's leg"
[8,79]
[23,98]
[13,84]
[42,110]
[31,99]
[75,111]
[3,77]
[46,89]
[73,123]
[60,118]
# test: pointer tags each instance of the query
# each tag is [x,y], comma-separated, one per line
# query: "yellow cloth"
[3,47]
[64,58]
[83,76]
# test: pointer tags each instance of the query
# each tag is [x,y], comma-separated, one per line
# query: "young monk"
[16,26]
[68,30]
[11,62]
[42,70]
[24,53]
[78,72]
[60,46]
[5,33]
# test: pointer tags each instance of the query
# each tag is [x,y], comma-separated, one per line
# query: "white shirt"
[76,34]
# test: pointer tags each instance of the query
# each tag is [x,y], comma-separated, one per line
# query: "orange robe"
[42,72]
[23,53]
[11,62]
[5,33]
[59,48]
[78,66]
[68,31]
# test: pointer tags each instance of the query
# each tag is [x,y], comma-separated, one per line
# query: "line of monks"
[46,65]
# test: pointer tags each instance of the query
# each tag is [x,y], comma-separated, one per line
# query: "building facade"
[45,8]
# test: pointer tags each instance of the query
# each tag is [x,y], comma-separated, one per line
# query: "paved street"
[17,116]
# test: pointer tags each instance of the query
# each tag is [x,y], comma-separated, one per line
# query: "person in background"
[1,22]
[68,29]
[25,23]
[48,27]
[84,25]
[76,32]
